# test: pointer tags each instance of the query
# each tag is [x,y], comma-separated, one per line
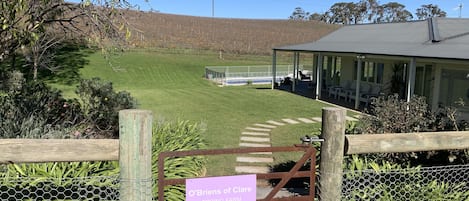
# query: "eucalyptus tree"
[31,27]
[393,12]
[429,11]
[299,14]
[344,13]
[369,10]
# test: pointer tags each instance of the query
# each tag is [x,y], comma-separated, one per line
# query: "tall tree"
[368,9]
[429,11]
[393,12]
[344,13]
[25,22]
[299,14]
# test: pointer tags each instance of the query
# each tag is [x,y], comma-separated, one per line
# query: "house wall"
[348,71]
[441,82]
[454,86]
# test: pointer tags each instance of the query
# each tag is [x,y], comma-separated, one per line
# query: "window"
[370,72]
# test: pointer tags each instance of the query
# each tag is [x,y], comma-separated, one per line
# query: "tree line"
[368,11]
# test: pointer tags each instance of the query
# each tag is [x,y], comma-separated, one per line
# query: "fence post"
[135,131]
[332,153]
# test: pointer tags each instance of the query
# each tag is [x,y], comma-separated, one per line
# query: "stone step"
[305,120]
[255,133]
[258,129]
[255,139]
[254,159]
[246,144]
[275,123]
[265,125]
[290,121]
[318,119]
[252,169]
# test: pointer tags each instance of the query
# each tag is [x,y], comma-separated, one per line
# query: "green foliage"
[448,118]
[177,137]
[393,115]
[34,108]
[101,104]
[60,173]
[166,137]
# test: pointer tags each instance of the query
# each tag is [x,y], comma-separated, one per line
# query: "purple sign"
[229,188]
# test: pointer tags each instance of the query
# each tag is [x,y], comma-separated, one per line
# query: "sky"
[275,9]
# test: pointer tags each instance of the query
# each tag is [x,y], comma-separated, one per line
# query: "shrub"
[35,107]
[101,105]
[393,115]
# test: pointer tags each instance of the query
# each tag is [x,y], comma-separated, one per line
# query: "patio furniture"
[304,76]
[375,91]
[345,91]
[367,92]
[336,89]
[364,89]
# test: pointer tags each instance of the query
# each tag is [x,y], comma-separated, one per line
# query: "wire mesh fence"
[428,183]
[43,188]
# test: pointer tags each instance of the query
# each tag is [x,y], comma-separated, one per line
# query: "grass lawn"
[171,84]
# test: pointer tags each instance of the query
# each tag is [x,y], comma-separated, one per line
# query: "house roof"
[433,38]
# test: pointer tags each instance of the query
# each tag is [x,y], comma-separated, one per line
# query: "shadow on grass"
[70,59]
[295,185]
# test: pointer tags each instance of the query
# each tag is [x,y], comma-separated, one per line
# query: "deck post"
[295,69]
[135,132]
[411,83]
[359,78]
[274,68]
[332,153]
[319,75]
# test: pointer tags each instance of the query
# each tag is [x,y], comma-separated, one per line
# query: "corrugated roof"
[436,38]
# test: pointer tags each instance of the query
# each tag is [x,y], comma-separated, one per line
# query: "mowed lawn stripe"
[172,86]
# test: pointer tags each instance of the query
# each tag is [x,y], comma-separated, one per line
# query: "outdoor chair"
[336,89]
[364,89]
[304,76]
[375,91]
[345,91]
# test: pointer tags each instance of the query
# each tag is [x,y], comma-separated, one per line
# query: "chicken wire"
[428,183]
[86,188]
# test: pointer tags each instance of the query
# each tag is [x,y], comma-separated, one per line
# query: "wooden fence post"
[135,132]
[332,153]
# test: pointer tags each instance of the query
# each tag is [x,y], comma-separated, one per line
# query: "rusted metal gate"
[309,154]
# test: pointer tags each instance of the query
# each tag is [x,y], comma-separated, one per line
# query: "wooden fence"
[132,150]
[337,144]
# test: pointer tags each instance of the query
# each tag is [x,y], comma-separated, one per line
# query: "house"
[428,58]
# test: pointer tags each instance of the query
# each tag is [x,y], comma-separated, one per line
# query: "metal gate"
[309,154]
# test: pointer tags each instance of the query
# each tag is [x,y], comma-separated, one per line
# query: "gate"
[309,154]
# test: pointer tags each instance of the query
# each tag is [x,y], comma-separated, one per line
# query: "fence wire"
[85,188]
[419,184]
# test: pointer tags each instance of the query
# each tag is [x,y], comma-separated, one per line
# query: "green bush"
[32,109]
[393,115]
[101,105]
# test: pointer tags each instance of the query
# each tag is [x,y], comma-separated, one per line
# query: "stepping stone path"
[258,135]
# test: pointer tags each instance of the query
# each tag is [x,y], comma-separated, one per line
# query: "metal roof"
[433,38]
